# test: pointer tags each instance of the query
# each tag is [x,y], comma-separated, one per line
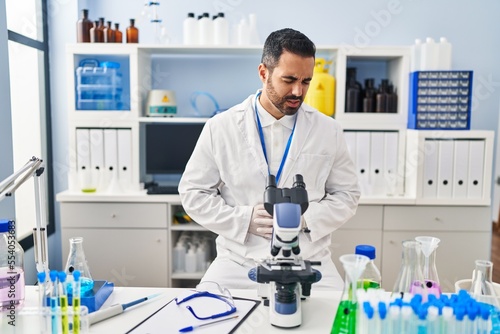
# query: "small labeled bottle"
[205,30]
[109,34]
[83,27]
[369,95]
[118,34]
[132,33]
[370,278]
[221,30]
[12,282]
[353,92]
[381,98]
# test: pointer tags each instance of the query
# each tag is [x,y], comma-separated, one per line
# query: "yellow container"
[321,93]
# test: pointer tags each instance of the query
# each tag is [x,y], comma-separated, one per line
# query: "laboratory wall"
[472,28]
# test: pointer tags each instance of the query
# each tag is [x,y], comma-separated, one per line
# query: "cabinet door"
[364,228]
[126,257]
[455,255]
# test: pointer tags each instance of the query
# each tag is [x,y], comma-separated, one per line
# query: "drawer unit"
[114,215]
[437,218]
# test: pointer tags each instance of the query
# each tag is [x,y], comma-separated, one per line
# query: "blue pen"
[191,328]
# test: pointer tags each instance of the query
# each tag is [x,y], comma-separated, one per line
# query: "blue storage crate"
[440,100]
[98,85]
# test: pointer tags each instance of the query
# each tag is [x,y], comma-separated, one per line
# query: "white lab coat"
[226,177]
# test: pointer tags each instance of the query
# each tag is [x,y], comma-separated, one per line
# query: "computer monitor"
[169,146]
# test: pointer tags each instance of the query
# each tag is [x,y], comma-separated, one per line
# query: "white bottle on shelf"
[444,49]
[191,265]
[221,30]
[179,257]
[190,30]
[200,258]
[416,54]
[430,55]
[243,32]
[253,32]
[205,30]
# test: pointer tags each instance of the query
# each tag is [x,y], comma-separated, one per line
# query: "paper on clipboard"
[172,317]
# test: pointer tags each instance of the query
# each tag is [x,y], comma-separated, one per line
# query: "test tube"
[63,301]
[54,302]
[76,301]
[42,289]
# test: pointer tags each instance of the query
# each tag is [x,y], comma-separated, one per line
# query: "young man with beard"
[271,132]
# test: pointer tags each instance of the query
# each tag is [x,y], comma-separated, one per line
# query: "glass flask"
[109,33]
[481,285]
[345,319]
[132,32]
[78,261]
[410,278]
[429,271]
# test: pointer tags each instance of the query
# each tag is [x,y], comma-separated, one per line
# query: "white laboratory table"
[318,311]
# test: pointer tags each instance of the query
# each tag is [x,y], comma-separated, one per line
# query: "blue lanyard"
[263,143]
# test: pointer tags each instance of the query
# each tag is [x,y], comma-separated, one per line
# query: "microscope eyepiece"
[271,181]
[298,181]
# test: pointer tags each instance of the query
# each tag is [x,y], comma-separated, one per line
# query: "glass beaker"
[345,319]
[481,285]
[410,278]
[429,271]
[78,261]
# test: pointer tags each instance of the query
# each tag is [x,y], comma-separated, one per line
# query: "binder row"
[375,155]
[104,159]
[453,168]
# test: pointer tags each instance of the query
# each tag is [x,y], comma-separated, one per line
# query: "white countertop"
[318,311]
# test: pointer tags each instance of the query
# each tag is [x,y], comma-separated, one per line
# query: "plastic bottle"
[190,30]
[253,32]
[392,100]
[118,34]
[369,95]
[321,93]
[12,282]
[381,97]
[243,32]
[353,92]
[370,278]
[200,258]
[444,50]
[429,55]
[191,265]
[132,32]
[83,27]
[179,257]
[205,30]
[109,34]
[221,30]
[416,53]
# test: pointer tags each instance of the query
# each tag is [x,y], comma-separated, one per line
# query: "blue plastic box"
[98,85]
[440,100]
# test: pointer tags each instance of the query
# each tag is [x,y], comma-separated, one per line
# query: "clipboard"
[171,317]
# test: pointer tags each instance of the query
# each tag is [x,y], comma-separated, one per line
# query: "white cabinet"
[465,234]
[364,228]
[129,240]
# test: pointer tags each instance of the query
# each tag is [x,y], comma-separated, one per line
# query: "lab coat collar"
[266,119]
[247,125]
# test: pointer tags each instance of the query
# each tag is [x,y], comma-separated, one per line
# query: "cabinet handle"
[113,215]
[437,219]
[158,240]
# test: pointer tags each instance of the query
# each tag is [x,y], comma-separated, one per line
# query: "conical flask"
[410,278]
[429,271]
[481,286]
[78,261]
[345,319]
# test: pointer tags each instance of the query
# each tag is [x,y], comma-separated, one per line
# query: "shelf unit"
[151,67]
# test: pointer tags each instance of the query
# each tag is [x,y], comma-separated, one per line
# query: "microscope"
[287,278]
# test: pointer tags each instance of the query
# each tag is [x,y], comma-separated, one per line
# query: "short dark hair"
[286,40]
